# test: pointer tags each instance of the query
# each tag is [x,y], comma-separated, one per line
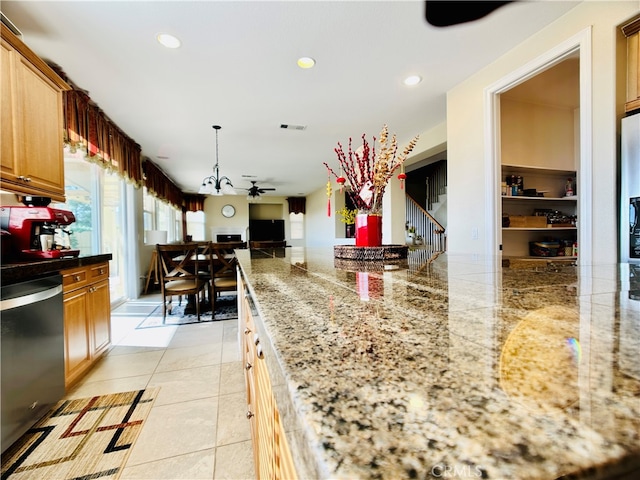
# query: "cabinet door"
[99,311]
[7,149]
[39,130]
[633,72]
[32,122]
[265,421]
[77,351]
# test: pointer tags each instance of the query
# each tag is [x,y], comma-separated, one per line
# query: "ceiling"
[237,68]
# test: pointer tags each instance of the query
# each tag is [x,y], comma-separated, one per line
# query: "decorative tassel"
[329,197]
[341,180]
[402,176]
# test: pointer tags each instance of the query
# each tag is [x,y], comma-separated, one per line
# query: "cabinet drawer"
[98,272]
[74,278]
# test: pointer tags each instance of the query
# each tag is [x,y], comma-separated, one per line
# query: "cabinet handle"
[102,271]
[256,338]
[248,366]
[78,278]
[249,415]
[247,331]
[27,179]
[259,351]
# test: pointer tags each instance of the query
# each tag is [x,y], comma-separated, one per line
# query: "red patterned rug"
[80,439]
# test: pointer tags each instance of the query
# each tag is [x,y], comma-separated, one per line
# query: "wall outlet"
[474,233]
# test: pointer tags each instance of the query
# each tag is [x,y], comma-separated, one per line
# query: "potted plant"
[348,217]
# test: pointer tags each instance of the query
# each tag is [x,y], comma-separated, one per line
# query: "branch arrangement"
[368,172]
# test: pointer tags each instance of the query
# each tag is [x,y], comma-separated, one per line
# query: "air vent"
[292,127]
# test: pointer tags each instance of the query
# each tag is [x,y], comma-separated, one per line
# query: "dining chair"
[224,273]
[206,266]
[179,267]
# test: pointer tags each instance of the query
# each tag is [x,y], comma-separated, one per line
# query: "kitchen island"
[450,367]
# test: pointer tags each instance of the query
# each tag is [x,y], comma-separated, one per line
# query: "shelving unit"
[515,240]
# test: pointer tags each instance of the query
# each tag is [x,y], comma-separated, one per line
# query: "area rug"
[226,309]
[80,439]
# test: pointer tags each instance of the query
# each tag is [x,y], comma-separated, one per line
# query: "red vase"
[368,230]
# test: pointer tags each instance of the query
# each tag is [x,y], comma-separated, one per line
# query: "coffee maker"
[38,231]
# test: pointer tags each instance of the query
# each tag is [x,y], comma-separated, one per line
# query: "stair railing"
[432,233]
[436,183]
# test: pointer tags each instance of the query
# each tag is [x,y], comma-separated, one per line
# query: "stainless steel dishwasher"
[32,341]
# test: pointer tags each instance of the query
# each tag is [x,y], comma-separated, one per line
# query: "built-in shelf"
[522,169]
[542,229]
[548,199]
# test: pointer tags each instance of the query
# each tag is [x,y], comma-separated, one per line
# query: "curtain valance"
[160,185]
[88,128]
[297,204]
[193,202]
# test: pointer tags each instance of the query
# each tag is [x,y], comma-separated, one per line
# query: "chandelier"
[215,184]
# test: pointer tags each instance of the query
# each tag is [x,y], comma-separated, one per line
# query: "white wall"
[239,223]
[466,128]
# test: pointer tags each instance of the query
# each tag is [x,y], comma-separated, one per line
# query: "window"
[97,199]
[196,226]
[159,215]
[296,221]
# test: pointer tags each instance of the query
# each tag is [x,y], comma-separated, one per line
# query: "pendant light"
[215,184]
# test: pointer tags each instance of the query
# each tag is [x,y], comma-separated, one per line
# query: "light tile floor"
[196,429]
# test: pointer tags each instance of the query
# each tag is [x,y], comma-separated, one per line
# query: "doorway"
[534,159]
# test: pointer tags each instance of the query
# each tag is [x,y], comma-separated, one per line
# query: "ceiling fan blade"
[443,13]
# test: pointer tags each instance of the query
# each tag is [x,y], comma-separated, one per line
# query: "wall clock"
[228,211]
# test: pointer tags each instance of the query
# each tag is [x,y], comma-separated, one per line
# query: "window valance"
[160,185]
[193,202]
[297,204]
[88,128]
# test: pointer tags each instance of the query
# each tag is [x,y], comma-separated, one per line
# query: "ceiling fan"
[255,191]
[444,13]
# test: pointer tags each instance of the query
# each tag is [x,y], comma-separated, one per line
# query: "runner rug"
[80,439]
[226,309]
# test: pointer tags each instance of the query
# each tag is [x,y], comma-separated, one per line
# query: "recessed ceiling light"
[306,62]
[412,80]
[168,40]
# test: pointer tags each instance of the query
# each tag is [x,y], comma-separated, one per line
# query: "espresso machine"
[37,232]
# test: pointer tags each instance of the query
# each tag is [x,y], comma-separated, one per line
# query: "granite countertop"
[30,269]
[453,367]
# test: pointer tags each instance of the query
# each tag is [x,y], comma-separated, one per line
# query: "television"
[266,230]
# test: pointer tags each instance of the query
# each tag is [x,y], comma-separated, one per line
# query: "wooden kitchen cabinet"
[87,318]
[272,456]
[632,31]
[31,161]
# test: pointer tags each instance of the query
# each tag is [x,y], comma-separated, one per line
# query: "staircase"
[427,227]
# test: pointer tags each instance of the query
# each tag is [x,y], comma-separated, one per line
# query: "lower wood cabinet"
[87,318]
[271,452]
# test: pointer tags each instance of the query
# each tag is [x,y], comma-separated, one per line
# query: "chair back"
[224,263]
[178,261]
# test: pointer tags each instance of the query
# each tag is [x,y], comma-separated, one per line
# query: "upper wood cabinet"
[632,31]
[31,161]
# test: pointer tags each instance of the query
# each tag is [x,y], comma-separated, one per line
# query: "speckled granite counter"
[28,270]
[454,368]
